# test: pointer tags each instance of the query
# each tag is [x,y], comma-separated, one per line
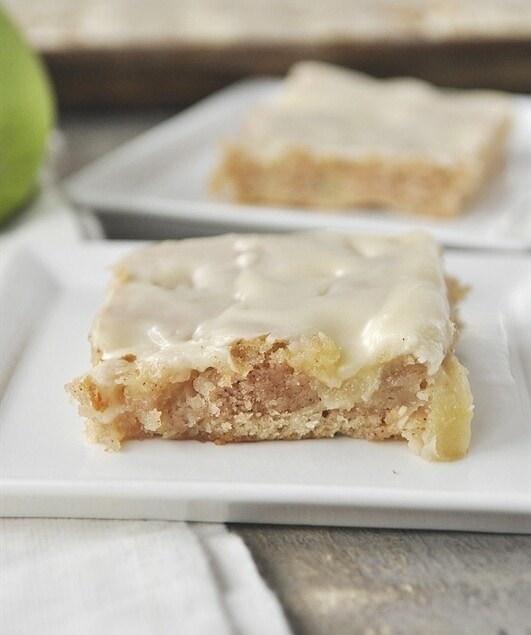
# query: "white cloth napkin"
[93,577]
[112,577]
[50,220]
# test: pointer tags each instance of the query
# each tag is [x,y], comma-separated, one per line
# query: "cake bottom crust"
[273,396]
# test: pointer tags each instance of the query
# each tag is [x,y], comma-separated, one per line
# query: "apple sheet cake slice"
[335,138]
[290,336]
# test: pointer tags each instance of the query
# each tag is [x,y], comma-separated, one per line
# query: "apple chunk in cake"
[288,336]
[335,138]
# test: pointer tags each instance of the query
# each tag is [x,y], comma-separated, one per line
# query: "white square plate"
[160,180]
[46,469]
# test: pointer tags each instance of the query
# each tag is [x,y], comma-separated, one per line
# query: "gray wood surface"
[350,581]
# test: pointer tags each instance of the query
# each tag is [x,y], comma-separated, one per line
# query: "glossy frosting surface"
[185,302]
[333,111]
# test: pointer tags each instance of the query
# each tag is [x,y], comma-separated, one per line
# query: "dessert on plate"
[290,336]
[335,138]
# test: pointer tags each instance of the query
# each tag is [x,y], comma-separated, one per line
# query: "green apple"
[27,113]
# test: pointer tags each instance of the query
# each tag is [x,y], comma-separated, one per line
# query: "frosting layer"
[337,112]
[186,302]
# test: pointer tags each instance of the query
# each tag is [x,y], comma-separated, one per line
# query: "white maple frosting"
[337,112]
[186,302]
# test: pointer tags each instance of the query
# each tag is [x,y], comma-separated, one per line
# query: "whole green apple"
[27,112]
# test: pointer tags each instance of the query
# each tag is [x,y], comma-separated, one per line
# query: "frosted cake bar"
[334,138]
[289,336]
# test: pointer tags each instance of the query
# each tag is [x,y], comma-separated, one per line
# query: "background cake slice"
[335,138]
[289,336]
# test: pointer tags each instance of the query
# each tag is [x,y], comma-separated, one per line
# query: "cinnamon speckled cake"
[336,138]
[289,336]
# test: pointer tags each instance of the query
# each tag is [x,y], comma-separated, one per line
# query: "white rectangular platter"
[157,184]
[49,297]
